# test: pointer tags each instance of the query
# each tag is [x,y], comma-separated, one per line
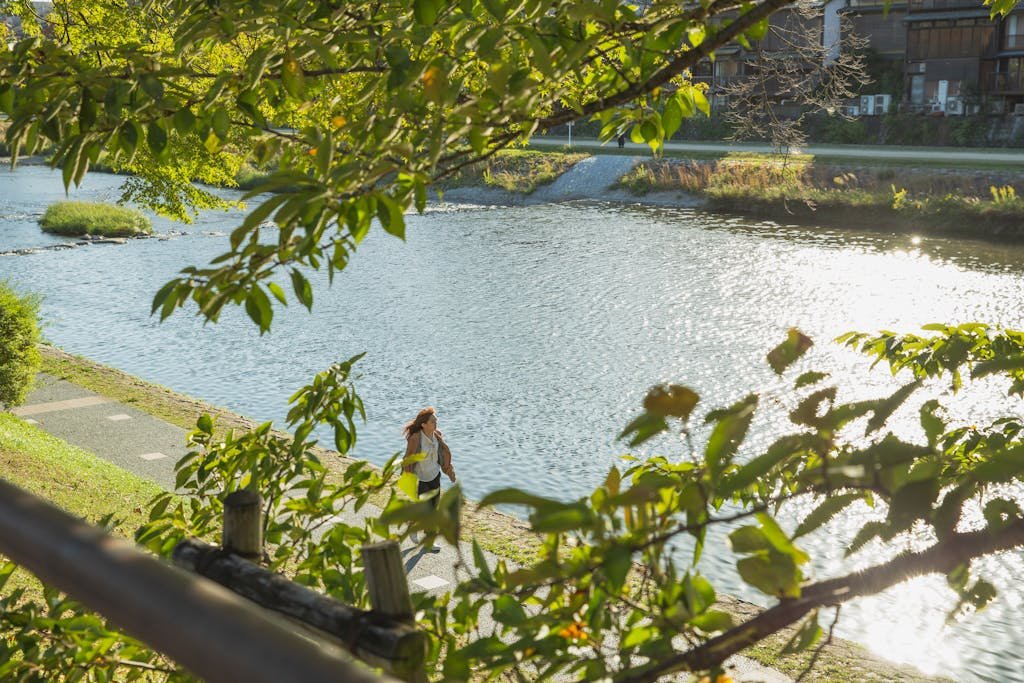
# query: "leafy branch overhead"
[355,107]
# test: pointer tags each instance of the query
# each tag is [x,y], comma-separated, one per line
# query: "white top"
[429,468]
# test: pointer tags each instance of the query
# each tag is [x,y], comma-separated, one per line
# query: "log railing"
[219,632]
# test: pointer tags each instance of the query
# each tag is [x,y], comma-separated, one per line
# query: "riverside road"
[868,152]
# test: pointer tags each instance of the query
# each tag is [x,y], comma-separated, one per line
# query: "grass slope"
[72,479]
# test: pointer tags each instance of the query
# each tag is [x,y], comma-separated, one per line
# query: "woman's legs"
[430,486]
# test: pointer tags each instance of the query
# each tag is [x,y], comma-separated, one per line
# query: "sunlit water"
[537,330]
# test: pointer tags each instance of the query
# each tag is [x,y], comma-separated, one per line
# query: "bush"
[837,130]
[19,337]
[88,218]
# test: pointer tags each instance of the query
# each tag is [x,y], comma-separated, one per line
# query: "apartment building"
[954,57]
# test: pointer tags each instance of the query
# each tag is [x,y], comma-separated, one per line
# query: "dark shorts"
[429,486]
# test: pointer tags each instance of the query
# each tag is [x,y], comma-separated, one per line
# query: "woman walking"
[423,436]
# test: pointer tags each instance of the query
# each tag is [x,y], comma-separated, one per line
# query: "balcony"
[1013,41]
[1004,84]
[929,5]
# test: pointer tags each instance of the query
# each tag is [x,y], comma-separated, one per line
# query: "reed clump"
[75,219]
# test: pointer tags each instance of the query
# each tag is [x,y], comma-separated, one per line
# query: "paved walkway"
[149,447]
[911,154]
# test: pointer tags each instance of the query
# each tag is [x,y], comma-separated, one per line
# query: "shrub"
[89,218]
[837,130]
[19,336]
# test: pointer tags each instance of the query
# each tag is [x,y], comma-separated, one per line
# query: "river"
[536,331]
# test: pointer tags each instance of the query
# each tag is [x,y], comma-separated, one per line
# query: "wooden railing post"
[389,591]
[243,524]
[385,579]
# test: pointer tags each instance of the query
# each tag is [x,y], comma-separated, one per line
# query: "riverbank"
[975,204]
[503,535]
[975,197]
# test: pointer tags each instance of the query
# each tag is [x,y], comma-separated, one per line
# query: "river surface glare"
[536,331]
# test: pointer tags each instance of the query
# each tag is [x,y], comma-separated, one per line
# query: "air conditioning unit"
[882,104]
[867,105]
[954,106]
[1018,109]
[972,109]
[850,110]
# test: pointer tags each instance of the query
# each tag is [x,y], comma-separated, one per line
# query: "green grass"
[89,218]
[72,479]
[516,171]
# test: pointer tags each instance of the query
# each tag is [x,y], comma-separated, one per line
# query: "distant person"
[423,436]
[622,140]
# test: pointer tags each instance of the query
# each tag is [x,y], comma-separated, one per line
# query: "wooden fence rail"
[215,634]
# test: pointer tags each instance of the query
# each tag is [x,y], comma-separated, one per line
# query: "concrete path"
[149,447]
[911,154]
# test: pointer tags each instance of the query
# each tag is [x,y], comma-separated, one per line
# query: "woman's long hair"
[416,425]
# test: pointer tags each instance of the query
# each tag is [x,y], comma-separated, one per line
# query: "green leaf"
[162,295]
[480,560]
[786,353]
[278,293]
[157,138]
[643,428]
[257,305]
[561,519]
[425,11]
[748,539]
[758,30]
[390,215]
[759,466]
[772,573]
[512,496]
[617,563]
[292,77]
[712,621]
[825,511]
[671,401]
[508,610]
[671,117]
[888,406]
[638,636]
[809,378]
[1008,363]
[1001,512]
[933,425]
[1003,466]
[303,290]
[152,86]
[728,434]
[696,34]
[865,534]
[205,424]
[221,123]
[806,636]
[6,98]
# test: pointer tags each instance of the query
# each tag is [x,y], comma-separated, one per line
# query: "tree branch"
[942,557]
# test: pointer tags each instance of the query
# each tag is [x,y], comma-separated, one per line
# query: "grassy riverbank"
[514,170]
[506,536]
[793,188]
[74,480]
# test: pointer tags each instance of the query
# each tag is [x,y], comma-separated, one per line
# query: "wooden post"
[243,524]
[385,579]
[389,594]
